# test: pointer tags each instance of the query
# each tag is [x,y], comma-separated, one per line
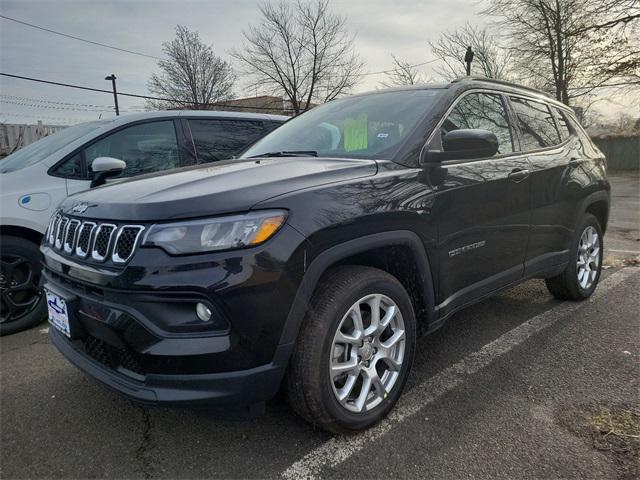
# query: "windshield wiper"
[288,153]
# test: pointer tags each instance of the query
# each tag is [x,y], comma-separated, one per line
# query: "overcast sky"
[383,27]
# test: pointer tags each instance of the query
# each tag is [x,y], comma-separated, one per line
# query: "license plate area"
[60,310]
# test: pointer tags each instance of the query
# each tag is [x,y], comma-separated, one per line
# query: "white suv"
[35,179]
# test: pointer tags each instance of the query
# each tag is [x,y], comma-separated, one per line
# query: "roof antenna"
[468,58]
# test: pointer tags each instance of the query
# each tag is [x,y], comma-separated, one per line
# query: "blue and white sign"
[58,316]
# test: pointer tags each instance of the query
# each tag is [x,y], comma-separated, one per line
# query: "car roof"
[509,87]
[465,83]
[135,117]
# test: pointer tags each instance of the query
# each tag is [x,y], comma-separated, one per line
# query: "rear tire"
[376,361]
[22,304]
[580,278]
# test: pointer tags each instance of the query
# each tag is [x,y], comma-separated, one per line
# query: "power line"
[216,104]
[146,97]
[42,100]
[79,38]
[55,107]
[46,117]
[393,69]
[21,22]
[58,83]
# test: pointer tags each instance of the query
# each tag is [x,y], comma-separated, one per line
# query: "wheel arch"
[21,232]
[400,253]
[598,205]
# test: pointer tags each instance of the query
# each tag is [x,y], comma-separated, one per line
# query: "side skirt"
[543,273]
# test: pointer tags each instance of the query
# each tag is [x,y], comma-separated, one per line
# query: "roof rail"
[500,82]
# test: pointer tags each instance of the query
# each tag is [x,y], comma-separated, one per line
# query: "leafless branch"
[404,73]
[491,60]
[571,47]
[302,51]
[191,73]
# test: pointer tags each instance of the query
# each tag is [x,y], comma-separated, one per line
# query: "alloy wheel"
[19,292]
[367,353]
[588,262]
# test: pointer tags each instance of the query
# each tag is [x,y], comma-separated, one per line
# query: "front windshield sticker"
[355,133]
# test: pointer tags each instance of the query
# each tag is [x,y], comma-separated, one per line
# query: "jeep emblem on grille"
[80,208]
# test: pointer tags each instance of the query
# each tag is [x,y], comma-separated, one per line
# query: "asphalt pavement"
[500,391]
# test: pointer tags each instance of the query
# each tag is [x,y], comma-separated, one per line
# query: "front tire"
[354,350]
[580,278]
[22,304]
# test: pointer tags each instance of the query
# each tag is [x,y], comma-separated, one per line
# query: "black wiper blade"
[288,153]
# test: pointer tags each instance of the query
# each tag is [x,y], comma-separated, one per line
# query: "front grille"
[112,357]
[102,242]
[62,225]
[98,241]
[129,361]
[70,237]
[51,230]
[98,350]
[125,242]
[84,239]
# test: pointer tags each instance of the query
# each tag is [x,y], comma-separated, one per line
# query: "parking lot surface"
[505,389]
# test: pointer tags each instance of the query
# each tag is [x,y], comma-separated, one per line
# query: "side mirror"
[464,144]
[106,167]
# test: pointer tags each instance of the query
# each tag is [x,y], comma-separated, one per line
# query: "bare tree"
[572,47]
[403,73]
[625,122]
[300,50]
[617,13]
[192,74]
[491,60]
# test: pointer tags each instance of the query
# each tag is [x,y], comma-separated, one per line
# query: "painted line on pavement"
[340,448]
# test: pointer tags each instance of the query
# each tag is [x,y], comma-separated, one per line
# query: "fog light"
[203,312]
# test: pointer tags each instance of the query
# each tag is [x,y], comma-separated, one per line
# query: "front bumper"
[120,322]
[245,387]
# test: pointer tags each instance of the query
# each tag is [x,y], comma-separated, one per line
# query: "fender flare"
[331,256]
[601,195]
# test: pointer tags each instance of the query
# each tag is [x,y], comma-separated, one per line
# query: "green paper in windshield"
[355,133]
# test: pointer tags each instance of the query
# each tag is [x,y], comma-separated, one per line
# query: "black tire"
[18,257]
[566,286]
[308,383]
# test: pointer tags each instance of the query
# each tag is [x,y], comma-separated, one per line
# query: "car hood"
[224,187]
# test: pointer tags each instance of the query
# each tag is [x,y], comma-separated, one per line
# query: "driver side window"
[146,148]
[485,111]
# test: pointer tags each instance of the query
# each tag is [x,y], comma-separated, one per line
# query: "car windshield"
[38,151]
[365,126]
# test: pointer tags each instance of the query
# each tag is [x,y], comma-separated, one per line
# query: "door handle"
[518,174]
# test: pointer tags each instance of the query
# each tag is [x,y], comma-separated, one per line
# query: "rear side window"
[270,126]
[563,124]
[479,110]
[222,139]
[146,148]
[537,127]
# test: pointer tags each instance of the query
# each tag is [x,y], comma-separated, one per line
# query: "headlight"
[220,233]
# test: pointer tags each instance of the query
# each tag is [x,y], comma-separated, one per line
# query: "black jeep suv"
[315,260]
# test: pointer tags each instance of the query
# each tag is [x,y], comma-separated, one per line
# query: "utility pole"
[468,58]
[112,77]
